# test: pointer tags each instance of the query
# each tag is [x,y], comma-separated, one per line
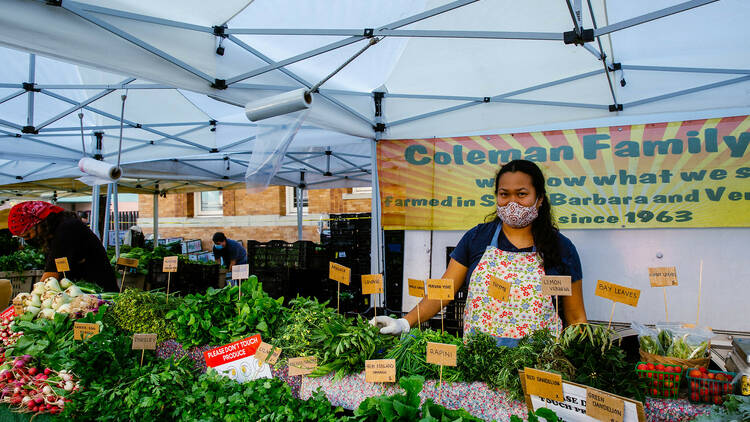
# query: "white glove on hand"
[390,325]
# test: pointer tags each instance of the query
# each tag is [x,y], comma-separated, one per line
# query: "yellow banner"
[679,174]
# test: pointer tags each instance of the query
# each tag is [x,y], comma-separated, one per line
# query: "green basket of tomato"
[662,381]
[707,386]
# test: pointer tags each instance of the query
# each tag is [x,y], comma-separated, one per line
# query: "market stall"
[582,78]
[154,348]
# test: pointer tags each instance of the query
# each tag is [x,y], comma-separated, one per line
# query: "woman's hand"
[390,325]
[573,308]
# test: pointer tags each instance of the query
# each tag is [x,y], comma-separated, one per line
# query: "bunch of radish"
[8,337]
[29,389]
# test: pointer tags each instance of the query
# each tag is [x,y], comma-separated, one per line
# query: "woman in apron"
[519,246]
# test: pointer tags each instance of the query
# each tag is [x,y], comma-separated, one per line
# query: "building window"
[209,203]
[291,201]
[362,191]
[359,193]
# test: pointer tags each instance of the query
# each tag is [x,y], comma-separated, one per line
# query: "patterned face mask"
[516,215]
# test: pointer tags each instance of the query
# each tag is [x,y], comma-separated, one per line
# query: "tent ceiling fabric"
[446,68]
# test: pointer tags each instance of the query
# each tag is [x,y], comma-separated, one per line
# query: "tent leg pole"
[156,220]
[300,206]
[105,227]
[377,264]
[94,215]
[116,211]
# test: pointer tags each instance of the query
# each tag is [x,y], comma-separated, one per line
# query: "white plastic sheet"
[274,137]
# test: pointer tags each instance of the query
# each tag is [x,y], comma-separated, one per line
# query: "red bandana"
[28,214]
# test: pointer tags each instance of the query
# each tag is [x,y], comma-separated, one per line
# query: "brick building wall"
[256,216]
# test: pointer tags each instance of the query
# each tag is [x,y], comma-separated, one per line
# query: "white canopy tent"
[441,68]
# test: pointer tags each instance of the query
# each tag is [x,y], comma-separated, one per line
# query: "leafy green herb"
[136,311]
[218,317]
[497,366]
[734,408]
[137,393]
[346,344]
[303,317]
[411,355]
[215,397]
[547,414]
[49,341]
[406,407]
[599,362]
[23,260]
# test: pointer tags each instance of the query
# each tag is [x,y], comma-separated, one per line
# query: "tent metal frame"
[86,11]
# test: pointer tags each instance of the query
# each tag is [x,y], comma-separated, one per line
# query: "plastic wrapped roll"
[278,105]
[100,169]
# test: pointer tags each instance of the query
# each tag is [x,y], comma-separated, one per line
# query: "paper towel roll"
[277,105]
[99,169]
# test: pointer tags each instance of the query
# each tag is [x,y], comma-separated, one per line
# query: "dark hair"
[543,229]
[47,227]
[219,237]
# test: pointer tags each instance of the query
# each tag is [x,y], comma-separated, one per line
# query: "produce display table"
[477,398]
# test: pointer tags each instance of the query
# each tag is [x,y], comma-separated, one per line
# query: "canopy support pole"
[156,217]
[105,228]
[96,190]
[300,203]
[377,265]
[377,258]
[116,211]
[94,215]
[30,104]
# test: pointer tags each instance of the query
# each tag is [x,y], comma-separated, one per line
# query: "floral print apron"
[526,309]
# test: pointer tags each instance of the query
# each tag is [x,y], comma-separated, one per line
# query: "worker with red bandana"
[61,234]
